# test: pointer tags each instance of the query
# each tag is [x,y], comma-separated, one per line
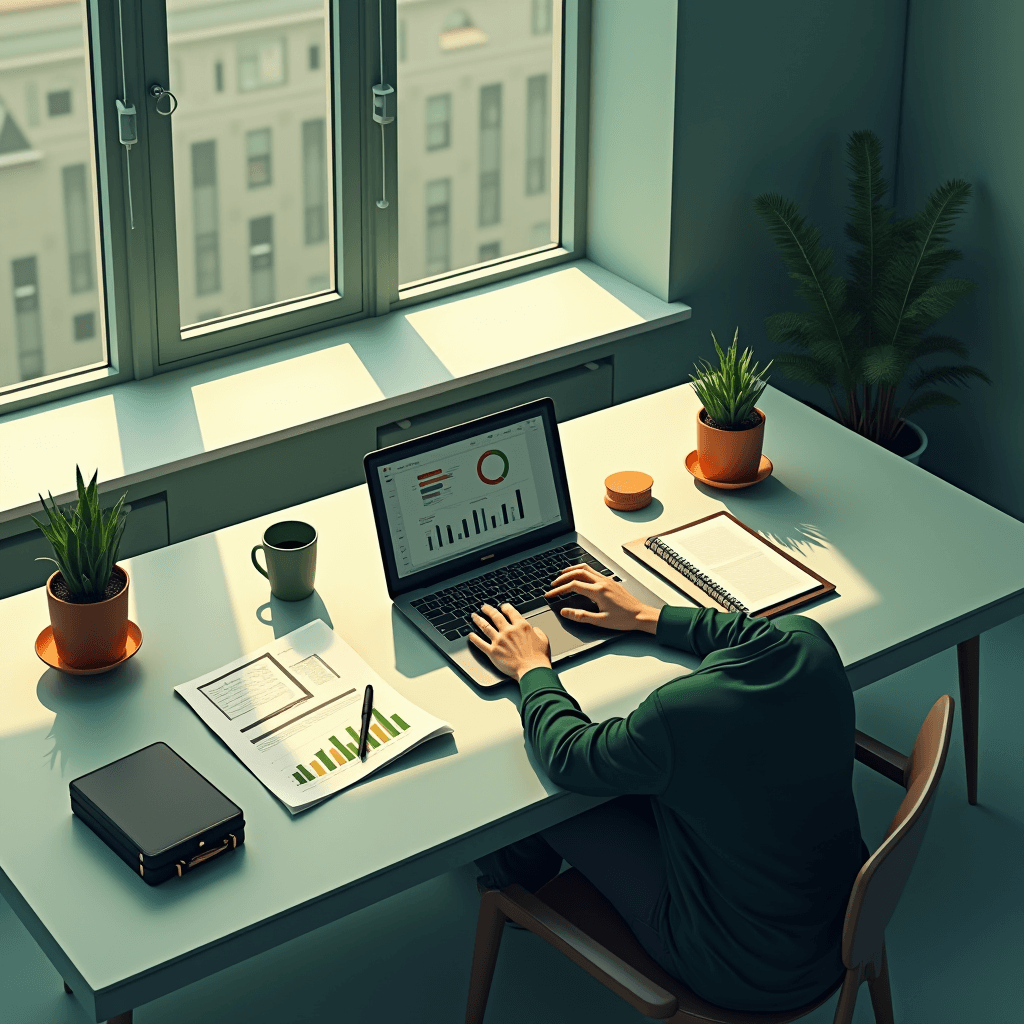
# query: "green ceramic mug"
[290,551]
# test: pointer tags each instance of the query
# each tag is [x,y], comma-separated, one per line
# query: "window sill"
[138,430]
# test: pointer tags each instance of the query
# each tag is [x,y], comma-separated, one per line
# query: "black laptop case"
[157,813]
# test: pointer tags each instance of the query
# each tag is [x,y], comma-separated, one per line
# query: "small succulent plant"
[85,541]
[730,391]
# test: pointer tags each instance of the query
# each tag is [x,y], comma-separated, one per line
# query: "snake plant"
[85,541]
[730,391]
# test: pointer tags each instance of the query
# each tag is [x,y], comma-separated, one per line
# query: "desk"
[919,566]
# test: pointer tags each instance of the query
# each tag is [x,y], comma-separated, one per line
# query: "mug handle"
[259,568]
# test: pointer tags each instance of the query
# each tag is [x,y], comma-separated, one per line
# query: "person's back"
[749,764]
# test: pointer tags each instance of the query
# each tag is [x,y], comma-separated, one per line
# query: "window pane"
[48,215]
[475,114]
[251,154]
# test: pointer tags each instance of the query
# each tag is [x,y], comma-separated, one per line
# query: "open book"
[722,563]
[291,712]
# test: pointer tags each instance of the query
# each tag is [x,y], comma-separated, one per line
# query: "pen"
[364,729]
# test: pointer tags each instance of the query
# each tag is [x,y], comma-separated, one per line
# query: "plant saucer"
[764,470]
[47,651]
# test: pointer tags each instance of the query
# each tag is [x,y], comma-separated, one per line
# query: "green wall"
[962,108]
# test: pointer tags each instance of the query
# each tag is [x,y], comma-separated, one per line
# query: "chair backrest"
[880,882]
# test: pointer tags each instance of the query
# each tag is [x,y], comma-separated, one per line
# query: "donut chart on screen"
[480,466]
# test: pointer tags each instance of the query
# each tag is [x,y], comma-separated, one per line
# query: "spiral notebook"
[718,562]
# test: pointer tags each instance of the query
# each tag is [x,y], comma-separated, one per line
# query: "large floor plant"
[862,336]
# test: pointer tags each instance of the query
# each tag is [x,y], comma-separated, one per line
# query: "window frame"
[136,270]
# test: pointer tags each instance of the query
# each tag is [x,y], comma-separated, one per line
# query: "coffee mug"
[290,551]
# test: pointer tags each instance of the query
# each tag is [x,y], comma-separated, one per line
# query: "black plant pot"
[905,443]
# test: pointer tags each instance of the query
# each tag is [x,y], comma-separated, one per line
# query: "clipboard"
[702,598]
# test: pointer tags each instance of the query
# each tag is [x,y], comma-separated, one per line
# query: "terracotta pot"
[730,456]
[89,635]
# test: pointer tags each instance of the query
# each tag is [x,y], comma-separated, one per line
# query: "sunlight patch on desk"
[39,453]
[522,320]
[267,399]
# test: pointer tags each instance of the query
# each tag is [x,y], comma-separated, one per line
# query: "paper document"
[291,711]
[751,572]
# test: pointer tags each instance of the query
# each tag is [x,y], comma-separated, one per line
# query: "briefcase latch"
[229,843]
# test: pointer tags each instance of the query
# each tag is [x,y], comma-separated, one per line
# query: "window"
[260,64]
[314,183]
[27,325]
[490,155]
[58,103]
[439,121]
[540,234]
[302,244]
[83,326]
[78,226]
[261,261]
[205,217]
[537,140]
[439,240]
[257,152]
[540,17]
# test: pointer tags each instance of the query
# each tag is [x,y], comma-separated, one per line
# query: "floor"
[955,943]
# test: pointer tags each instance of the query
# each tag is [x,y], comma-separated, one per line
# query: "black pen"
[364,729]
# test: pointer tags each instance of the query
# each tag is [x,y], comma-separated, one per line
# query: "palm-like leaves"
[85,542]
[730,391]
[868,332]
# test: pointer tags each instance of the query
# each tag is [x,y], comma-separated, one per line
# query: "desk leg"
[968,660]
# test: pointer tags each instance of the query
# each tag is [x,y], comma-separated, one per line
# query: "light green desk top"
[919,566]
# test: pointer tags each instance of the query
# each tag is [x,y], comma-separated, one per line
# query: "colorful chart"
[480,466]
[337,753]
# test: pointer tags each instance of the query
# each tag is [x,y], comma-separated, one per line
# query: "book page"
[291,712]
[751,572]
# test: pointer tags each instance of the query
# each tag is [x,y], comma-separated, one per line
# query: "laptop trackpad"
[565,636]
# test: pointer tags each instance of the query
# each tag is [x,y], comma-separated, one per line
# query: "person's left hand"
[512,644]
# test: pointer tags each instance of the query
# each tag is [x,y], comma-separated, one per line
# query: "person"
[732,842]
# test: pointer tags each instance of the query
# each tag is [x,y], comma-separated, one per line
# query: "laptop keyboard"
[522,584]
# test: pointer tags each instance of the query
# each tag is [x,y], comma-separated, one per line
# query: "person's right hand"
[617,607]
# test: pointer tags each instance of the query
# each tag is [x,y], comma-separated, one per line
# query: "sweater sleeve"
[631,755]
[704,630]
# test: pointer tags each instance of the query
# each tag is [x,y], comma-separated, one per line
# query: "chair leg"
[847,998]
[968,662]
[489,929]
[67,988]
[881,994]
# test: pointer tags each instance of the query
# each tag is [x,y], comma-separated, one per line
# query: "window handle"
[383,110]
[158,92]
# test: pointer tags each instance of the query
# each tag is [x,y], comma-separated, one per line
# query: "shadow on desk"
[286,616]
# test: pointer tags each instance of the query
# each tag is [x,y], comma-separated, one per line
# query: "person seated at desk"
[735,841]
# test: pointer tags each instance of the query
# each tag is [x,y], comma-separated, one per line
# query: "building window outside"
[314,58]
[490,156]
[439,237]
[536,134]
[84,326]
[490,251]
[439,121]
[28,328]
[261,261]
[206,218]
[58,103]
[314,181]
[261,64]
[257,153]
[78,226]
[540,17]
[218,76]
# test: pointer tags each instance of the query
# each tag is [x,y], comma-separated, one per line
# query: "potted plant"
[730,429]
[862,335]
[88,594]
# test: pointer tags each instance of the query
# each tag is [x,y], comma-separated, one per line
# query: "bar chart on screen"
[338,753]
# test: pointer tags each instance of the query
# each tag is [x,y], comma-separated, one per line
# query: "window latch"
[383,113]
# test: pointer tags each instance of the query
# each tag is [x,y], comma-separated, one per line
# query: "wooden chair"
[571,915]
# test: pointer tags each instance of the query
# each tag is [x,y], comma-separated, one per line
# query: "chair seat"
[572,896]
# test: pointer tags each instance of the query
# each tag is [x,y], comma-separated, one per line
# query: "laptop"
[480,513]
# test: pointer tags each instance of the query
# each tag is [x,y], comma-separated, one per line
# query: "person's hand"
[512,644]
[617,607]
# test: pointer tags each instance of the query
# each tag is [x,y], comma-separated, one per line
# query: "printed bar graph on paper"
[338,756]
[299,779]
[398,721]
[328,763]
[369,739]
[379,733]
[308,775]
[383,721]
[315,765]
[354,749]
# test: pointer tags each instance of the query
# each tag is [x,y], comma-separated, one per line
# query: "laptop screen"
[452,498]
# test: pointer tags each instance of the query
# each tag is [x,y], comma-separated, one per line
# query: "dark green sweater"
[750,761]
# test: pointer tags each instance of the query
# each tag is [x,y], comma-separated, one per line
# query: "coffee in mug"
[290,551]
